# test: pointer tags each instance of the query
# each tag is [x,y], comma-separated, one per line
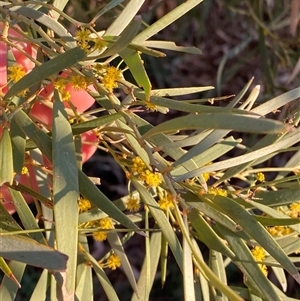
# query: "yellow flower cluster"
[206,176]
[139,169]
[24,170]
[278,231]
[78,82]
[166,202]
[138,165]
[105,224]
[152,179]
[151,106]
[84,205]
[214,191]
[16,72]
[260,177]
[260,254]
[108,75]
[113,262]
[86,42]
[293,212]
[133,204]
[110,78]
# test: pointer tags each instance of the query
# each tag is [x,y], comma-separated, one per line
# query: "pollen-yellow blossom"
[100,235]
[111,77]
[84,205]
[151,106]
[133,204]
[138,165]
[152,179]
[166,202]
[278,231]
[217,191]
[24,170]
[105,224]
[294,211]
[260,177]
[16,72]
[113,261]
[83,38]
[259,254]
[79,82]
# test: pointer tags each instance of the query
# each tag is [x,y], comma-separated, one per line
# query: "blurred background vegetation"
[239,40]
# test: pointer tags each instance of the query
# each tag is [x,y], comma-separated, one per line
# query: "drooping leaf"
[65,189]
[28,251]
[6,158]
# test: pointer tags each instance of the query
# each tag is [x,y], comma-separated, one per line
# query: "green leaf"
[128,13]
[136,66]
[7,222]
[287,141]
[145,284]
[18,141]
[117,246]
[94,123]
[40,289]
[293,223]
[257,232]
[163,259]
[46,20]
[30,252]
[207,235]
[171,46]
[203,282]
[92,193]
[278,198]
[108,7]
[84,279]
[59,4]
[188,269]
[215,214]
[216,263]
[124,40]
[281,277]
[219,121]
[277,102]
[207,156]
[191,107]
[282,219]
[8,272]
[65,189]
[265,141]
[156,93]
[162,221]
[25,189]
[166,20]
[248,265]
[6,158]
[25,214]
[53,66]
[102,277]
[8,288]
[86,186]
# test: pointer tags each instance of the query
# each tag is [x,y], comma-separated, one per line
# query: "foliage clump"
[182,189]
